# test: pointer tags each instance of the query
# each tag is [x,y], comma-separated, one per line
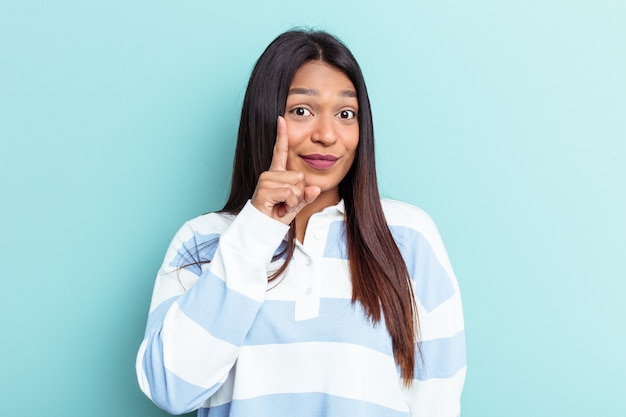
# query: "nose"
[323,131]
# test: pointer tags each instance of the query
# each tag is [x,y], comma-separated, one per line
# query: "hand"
[281,194]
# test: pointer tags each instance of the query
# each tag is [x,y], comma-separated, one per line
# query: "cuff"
[255,234]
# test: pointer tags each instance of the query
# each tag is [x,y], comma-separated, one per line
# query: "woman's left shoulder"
[399,213]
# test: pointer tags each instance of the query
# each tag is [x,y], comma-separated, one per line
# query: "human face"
[322,125]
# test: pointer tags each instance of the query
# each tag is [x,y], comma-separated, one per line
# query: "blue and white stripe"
[221,340]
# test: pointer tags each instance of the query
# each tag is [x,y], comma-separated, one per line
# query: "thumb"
[311,192]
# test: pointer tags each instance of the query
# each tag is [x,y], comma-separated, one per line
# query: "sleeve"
[193,335]
[441,357]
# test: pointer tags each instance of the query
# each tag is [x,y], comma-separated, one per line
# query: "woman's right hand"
[281,194]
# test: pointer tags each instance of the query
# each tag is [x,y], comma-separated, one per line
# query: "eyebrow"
[315,93]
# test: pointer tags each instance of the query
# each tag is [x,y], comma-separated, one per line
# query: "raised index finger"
[279,158]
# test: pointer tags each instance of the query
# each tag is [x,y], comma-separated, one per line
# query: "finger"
[281,147]
[286,196]
[309,195]
[277,178]
[277,196]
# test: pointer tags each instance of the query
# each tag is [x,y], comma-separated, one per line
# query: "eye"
[347,114]
[301,111]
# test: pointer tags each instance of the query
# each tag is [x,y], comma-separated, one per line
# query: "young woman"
[307,295]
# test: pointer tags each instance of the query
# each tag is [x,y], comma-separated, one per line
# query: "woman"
[307,295]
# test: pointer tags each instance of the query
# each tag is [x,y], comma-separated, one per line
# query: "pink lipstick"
[318,161]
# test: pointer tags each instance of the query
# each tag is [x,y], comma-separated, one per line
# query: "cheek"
[353,141]
[295,135]
[351,153]
[291,157]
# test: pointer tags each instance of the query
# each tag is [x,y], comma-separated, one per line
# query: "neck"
[325,199]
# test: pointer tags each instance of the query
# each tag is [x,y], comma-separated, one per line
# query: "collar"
[339,207]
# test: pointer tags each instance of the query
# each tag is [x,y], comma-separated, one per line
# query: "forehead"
[322,77]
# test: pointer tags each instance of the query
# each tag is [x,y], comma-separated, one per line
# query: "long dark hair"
[380,279]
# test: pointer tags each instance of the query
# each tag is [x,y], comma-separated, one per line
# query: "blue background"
[505,120]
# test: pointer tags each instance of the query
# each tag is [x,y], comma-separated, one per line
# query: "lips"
[318,161]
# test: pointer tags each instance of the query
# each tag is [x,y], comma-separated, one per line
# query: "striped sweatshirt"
[222,340]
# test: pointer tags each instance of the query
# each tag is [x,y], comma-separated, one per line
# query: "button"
[317,235]
[307,261]
[308,290]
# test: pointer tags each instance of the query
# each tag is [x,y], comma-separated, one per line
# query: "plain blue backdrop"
[505,120]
